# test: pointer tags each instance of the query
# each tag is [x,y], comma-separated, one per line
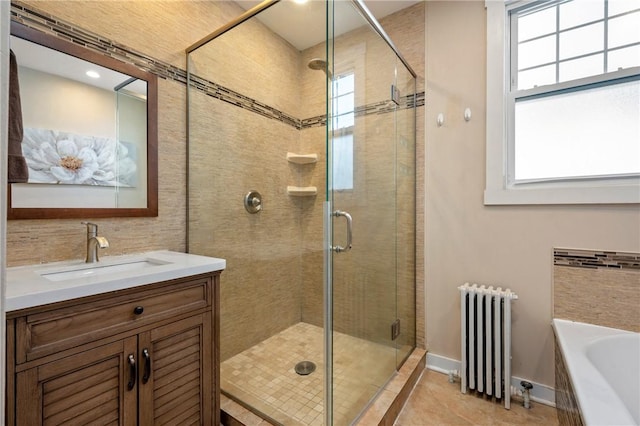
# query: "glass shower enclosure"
[301,174]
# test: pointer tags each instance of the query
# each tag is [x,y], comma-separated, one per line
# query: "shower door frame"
[328,206]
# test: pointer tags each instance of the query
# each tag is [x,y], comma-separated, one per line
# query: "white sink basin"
[94,269]
[35,285]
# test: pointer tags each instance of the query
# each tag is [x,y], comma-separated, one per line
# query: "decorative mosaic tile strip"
[420,100]
[219,92]
[596,259]
[406,102]
[51,25]
[317,121]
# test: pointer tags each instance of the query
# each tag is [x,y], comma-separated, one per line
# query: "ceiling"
[303,25]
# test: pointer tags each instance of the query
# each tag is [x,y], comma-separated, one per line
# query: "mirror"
[91,144]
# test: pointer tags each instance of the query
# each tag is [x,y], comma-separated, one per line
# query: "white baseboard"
[540,393]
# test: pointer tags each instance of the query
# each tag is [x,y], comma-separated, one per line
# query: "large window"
[343,123]
[568,127]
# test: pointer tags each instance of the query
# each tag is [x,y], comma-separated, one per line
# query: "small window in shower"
[343,124]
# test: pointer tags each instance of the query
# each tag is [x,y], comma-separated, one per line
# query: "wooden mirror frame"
[151,210]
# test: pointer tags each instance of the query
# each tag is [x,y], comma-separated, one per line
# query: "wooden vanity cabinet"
[152,359]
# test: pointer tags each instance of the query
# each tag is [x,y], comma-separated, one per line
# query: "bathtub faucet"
[94,242]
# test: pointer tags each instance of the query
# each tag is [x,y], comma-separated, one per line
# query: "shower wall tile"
[361,303]
[311,225]
[597,287]
[259,296]
[406,29]
[161,30]
[224,94]
[312,86]
[358,303]
[250,59]
[271,95]
[294,100]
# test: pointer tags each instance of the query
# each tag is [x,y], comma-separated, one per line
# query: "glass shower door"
[361,195]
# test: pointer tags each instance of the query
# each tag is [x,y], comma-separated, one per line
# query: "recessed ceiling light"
[93,74]
[300,1]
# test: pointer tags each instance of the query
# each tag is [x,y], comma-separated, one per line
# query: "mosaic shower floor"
[263,376]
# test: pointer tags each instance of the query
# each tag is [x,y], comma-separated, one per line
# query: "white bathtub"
[604,368]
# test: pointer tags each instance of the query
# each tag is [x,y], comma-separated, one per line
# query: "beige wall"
[510,246]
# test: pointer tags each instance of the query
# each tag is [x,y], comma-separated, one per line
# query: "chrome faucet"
[94,242]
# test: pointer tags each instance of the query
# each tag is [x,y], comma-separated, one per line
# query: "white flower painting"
[65,158]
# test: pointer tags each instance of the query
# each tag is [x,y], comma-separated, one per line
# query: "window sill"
[611,194]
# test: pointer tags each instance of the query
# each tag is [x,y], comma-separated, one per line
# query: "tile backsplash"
[599,287]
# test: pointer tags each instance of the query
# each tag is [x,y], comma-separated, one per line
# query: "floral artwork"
[65,158]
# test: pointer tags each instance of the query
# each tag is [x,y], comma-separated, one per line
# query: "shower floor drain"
[304,368]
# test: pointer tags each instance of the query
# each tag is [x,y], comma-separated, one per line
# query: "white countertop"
[27,287]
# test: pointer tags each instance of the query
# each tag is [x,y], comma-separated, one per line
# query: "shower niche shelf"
[302,191]
[302,158]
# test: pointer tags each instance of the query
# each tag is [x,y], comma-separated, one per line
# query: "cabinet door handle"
[133,372]
[147,365]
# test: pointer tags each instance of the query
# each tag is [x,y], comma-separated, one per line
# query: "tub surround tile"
[566,402]
[597,287]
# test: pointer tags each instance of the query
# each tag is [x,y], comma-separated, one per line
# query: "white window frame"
[499,190]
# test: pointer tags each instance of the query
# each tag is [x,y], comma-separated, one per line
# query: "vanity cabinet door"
[93,387]
[175,376]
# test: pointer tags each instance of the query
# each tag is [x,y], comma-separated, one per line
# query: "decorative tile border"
[596,259]
[406,102]
[51,25]
[227,95]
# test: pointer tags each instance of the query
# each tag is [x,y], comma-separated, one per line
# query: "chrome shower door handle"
[337,248]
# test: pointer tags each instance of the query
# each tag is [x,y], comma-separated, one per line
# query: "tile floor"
[435,401]
[263,376]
